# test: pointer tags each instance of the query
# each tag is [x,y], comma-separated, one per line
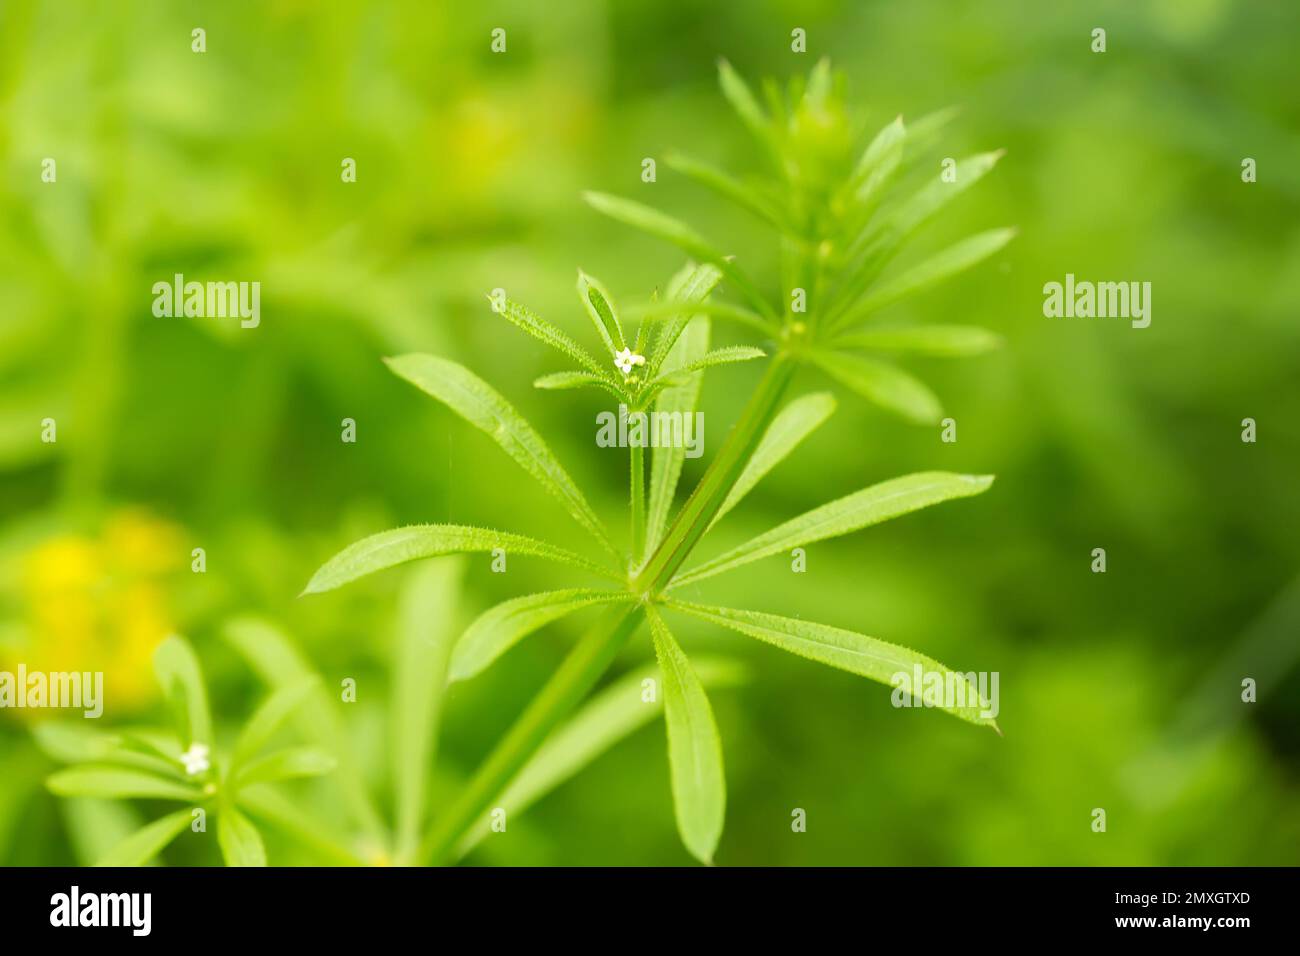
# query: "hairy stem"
[694,518]
[638,503]
[567,686]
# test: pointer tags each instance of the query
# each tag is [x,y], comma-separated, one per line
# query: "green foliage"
[426,634]
[949,341]
[499,628]
[479,404]
[679,399]
[870,506]
[886,385]
[391,548]
[694,747]
[231,434]
[181,764]
[147,842]
[611,715]
[797,421]
[847,650]
[241,844]
[825,208]
[837,221]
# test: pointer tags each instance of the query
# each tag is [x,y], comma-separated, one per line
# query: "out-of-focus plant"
[95,600]
[840,224]
[839,227]
[183,764]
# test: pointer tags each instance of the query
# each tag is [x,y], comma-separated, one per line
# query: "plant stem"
[567,686]
[597,649]
[694,518]
[638,503]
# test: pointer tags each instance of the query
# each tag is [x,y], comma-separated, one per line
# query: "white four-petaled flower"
[195,759]
[625,359]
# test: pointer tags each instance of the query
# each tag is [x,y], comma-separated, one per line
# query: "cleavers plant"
[840,221]
[183,764]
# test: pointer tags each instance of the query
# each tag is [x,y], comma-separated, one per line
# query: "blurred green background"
[1118,690]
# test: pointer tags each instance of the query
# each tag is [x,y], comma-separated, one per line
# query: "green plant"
[181,765]
[839,225]
[426,632]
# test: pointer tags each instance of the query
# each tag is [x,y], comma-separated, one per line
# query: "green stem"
[694,518]
[567,686]
[597,649]
[638,503]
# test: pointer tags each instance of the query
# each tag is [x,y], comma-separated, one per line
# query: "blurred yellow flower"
[101,603]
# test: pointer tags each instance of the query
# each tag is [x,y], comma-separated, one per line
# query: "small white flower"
[195,759]
[626,359]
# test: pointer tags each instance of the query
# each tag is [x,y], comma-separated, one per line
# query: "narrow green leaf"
[600,308]
[287,764]
[688,289]
[777,107]
[265,802]
[884,235]
[795,422]
[728,355]
[268,718]
[728,187]
[923,133]
[889,387]
[280,664]
[426,632]
[870,506]
[935,340]
[499,628]
[390,548]
[656,223]
[741,98]
[75,743]
[665,227]
[956,258]
[566,380]
[677,401]
[160,748]
[146,843]
[849,651]
[479,404]
[95,825]
[694,748]
[610,716]
[182,683]
[937,193]
[878,163]
[118,783]
[241,844]
[544,331]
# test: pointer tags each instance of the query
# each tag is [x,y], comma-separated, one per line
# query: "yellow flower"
[101,604]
